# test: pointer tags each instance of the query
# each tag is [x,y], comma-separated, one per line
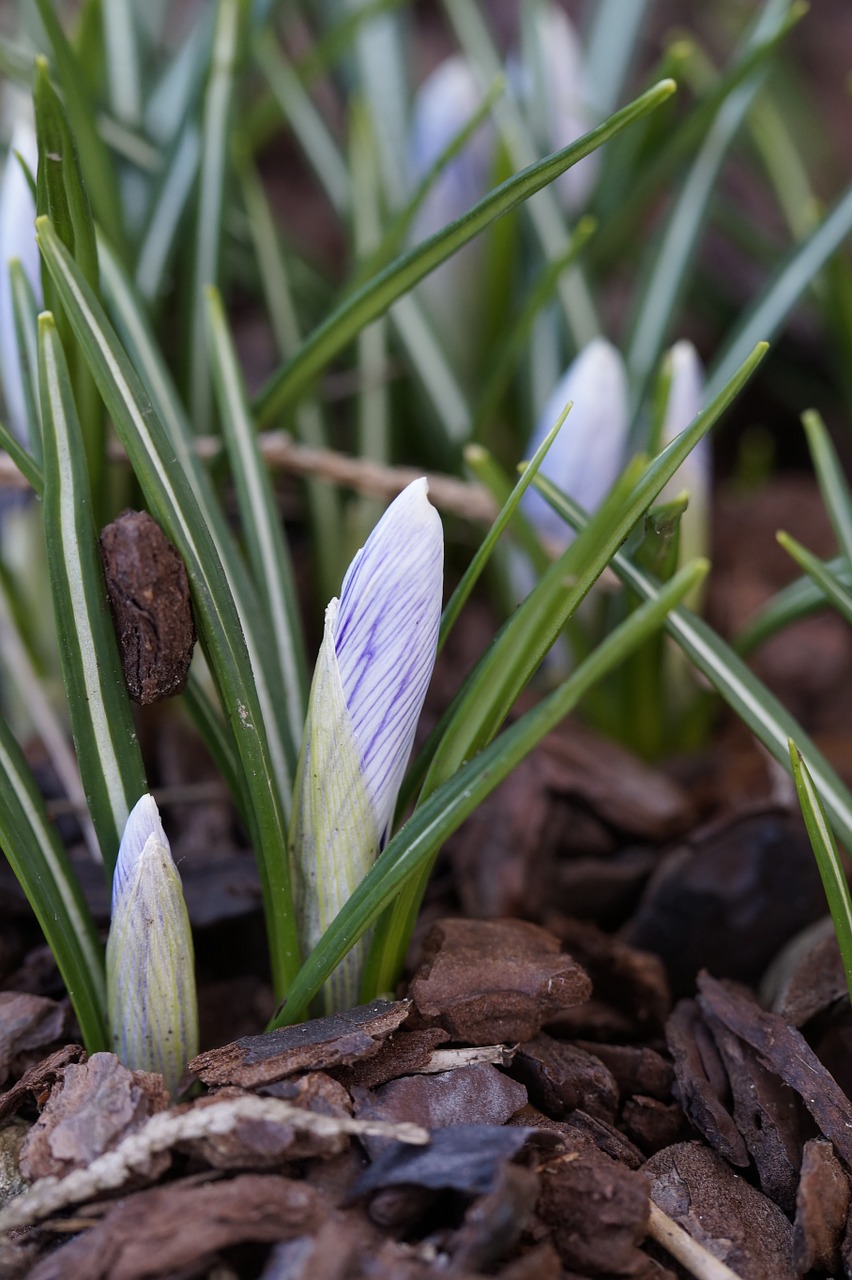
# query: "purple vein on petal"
[386,636]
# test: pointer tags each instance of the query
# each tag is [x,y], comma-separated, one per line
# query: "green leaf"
[123,60]
[261,523]
[415,845]
[177,183]
[374,298]
[26,309]
[798,600]
[675,255]
[832,482]
[615,34]
[42,869]
[834,591]
[96,164]
[101,720]
[828,860]
[171,500]
[212,178]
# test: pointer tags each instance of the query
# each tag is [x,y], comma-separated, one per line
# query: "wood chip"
[822,1208]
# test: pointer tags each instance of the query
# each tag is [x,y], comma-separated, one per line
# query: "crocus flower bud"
[151,998]
[685,401]
[370,680]
[445,102]
[17,241]
[553,81]
[588,452]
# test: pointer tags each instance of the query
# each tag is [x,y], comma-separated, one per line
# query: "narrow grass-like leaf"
[25,309]
[765,316]
[798,600]
[171,500]
[104,734]
[545,214]
[656,304]
[835,592]
[614,37]
[148,360]
[123,62]
[261,522]
[415,845]
[218,740]
[42,869]
[474,570]
[213,167]
[828,859]
[98,169]
[26,464]
[375,297]
[832,482]
[162,226]
[747,696]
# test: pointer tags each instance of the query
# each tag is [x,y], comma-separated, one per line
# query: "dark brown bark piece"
[541,1262]
[597,1212]
[636,1068]
[478,1094]
[767,1114]
[731,1219]
[584,1135]
[614,784]
[38,1081]
[714,902]
[166,1230]
[561,1078]
[462,1157]
[652,1124]
[148,592]
[28,1024]
[311,1046]
[399,1055]
[701,1085]
[815,982]
[487,981]
[785,1051]
[631,991]
[98,1104]
[822,1208]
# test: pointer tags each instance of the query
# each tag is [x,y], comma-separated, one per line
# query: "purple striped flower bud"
[370,680]
[151,998]
[17,242]
[588,452]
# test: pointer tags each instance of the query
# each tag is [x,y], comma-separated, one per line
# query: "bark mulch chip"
[597,1213]
[485,981]
[822,1208]
[718,1208]
[562,1078]
[29,1026]
[36,1082]
[312,1046]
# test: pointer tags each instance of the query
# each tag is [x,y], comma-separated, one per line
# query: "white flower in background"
[551,81]
[370,680]
[151,999]
[588,452]
[17,241]
[443,105]
[685,401]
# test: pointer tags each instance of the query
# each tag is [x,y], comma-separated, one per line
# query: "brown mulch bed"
[622,1050]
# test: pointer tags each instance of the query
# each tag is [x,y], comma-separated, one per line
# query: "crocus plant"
[370,680]
[151,999]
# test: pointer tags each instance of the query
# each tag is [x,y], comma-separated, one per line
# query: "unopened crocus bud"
[17,242]
[443,105]
[151,999]
[552,80]
[694,475]
[588,452]
[370,680]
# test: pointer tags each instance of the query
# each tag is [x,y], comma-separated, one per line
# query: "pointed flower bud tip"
[588,452]
[150,966]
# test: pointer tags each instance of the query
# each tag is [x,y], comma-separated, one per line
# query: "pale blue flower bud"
[369,684]
[685,401]
[588,452]
[17,241]
[552,79]
[151,997]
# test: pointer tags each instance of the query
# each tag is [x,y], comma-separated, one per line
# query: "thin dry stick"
[688,1252]
[282,453]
